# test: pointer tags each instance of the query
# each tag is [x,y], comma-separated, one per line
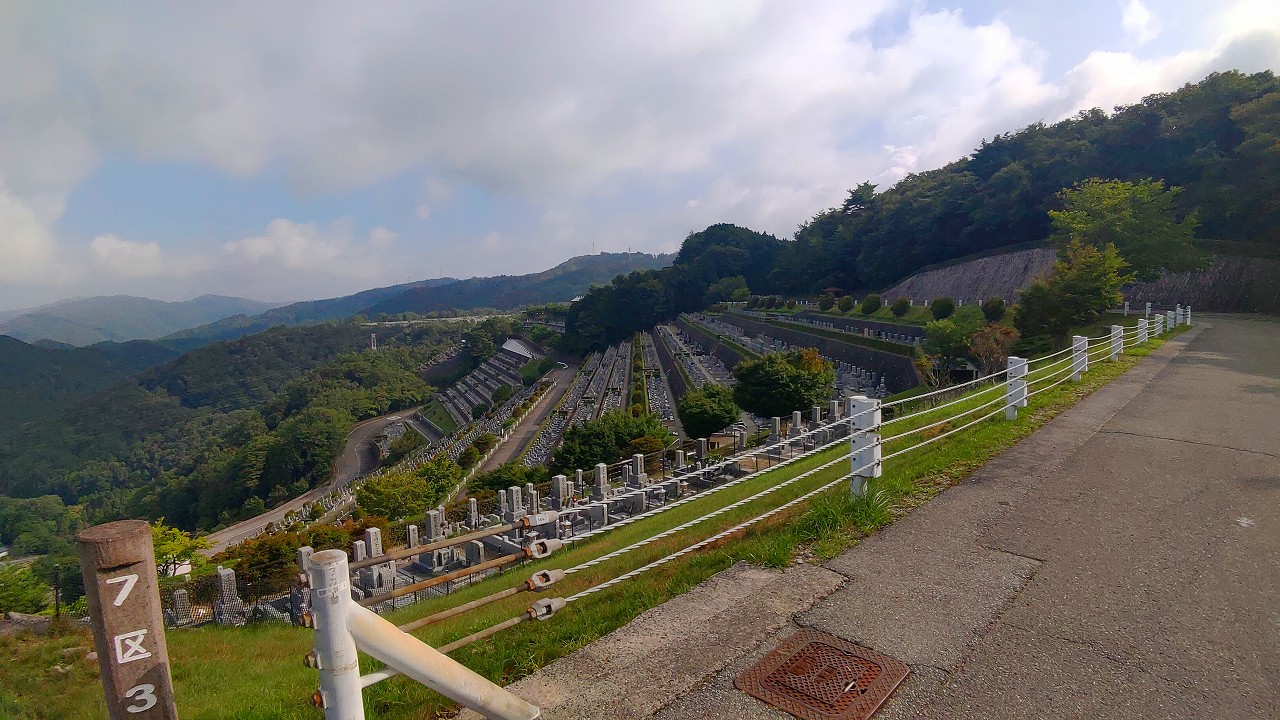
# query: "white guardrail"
[343,626]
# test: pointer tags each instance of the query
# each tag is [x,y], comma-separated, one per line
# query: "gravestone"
[228,608]
[179,615]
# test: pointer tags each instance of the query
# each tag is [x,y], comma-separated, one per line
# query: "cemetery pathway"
[527,429]
[1121,562]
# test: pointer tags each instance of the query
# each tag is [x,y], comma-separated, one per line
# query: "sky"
[288,150]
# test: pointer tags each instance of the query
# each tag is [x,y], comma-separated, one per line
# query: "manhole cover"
[815,676]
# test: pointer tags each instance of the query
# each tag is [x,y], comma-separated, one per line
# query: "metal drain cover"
[815,676]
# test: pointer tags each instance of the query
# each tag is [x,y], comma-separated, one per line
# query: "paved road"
[527,429]
[357,458]
[1122,562]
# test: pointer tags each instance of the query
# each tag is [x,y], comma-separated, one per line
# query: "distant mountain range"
[559,284]
[87,321]
[299,313]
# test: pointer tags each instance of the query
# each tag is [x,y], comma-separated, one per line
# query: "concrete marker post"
[1142,331]
[1117,341]
[864,447]
[1079,356]
[123,591]
[1015,393]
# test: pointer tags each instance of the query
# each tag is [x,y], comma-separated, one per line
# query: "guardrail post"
[1188,316]
[1079,357]
[120,584]
[1117,341]
[1177,313]
[1142,331]
[1126,308]
[1148,310]
[1015,392]
[864,446]
[1169,321]
[335,651]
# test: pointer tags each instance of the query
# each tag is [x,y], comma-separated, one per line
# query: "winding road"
[358,458]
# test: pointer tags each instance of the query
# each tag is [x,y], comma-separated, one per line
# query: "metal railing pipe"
[415,659]
[403,553]
[440,579]
[335,651]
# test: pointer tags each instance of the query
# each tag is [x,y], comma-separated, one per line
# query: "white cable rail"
[936,408]
[711,491]
[714,538]
[949,388]
[667,533]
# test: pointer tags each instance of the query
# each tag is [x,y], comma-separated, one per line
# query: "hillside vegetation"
[219,433]
[504,292]
[1216,140]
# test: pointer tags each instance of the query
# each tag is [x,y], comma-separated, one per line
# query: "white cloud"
[1138,22]
[607,124]
[127,259]
[26,247]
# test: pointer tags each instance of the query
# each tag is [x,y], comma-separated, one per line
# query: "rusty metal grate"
[815,676]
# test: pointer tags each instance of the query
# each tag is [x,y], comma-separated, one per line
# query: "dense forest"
[222,432]
[1216,139]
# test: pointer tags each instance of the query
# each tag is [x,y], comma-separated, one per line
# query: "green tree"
[1081,287]
[942,308]
[993,309]
[900,307]
[846,303]
[606,439]
[501,395]
[408,493]
[485,443]
[469,457]
[730,288]
[21,591]
[827,301]
[947,340]
[711,409]
[871,303]
[1139,218]
[991,346]
[776,384]
[174,547]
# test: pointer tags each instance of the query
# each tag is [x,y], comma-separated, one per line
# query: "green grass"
[435,411]
[257,672]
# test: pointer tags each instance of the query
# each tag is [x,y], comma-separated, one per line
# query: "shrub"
[993,309]
[900,307]
[870,304]
[846,303]
[826,302]
[942,308]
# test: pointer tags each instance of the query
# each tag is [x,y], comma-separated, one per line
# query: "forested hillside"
[1218,140]
[248,424]
[504,292]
